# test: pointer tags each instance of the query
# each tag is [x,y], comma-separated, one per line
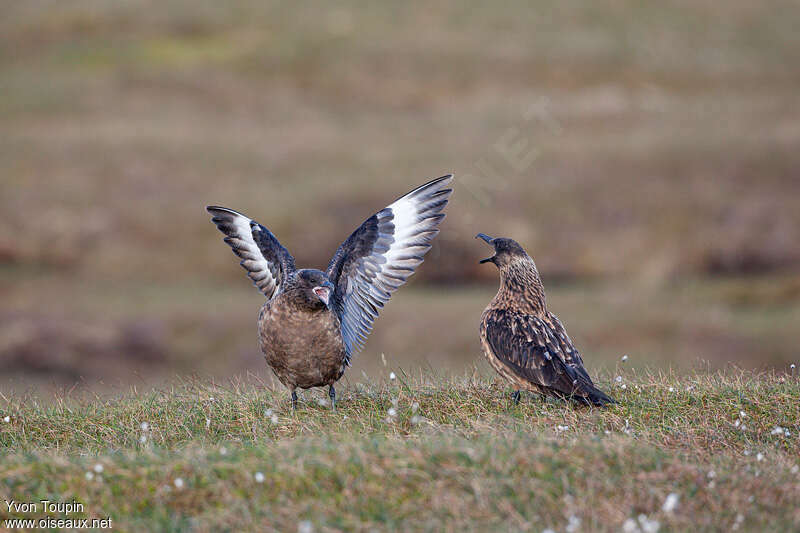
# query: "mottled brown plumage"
[523,341]
[313,322]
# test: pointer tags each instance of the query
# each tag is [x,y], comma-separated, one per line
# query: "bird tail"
[594,396]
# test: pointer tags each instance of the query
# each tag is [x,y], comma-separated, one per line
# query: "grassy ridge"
[438,455]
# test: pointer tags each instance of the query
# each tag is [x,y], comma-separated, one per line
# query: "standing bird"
[525,342]
[313,322]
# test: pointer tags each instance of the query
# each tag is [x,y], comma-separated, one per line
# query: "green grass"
[457,455]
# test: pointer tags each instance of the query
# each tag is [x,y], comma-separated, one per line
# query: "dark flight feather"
[381,255]
[266,261]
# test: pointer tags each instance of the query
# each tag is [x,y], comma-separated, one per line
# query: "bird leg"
[332,394]
[294,400]
[515,397]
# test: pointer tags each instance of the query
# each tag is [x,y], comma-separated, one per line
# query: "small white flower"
[777,431]
[212,399]
[145,426]
[395,402]
[98,468]
[618,379]
[414,407]
[711,474]
[747,453]
[623,386]
[742,414]
[223,451]
[648,526]
[795,469]
[392,376]
[760,457]
[737,423]
[573,524]
[268,413]
[305,527]
[672,389]
[630,526]
[690,388]
[178,483]
[624,358]
[259,477]
[274,420]
[392,412]
[416,420]
[561,428]
[89,475]
[792,366]
[208,423]
[143,439]
[671,503]
[7,419]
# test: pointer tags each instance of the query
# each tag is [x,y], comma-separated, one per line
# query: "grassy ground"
[431,454]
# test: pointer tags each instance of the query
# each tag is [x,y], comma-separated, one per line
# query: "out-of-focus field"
[646,155]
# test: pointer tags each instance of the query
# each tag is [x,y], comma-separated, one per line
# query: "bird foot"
[332,394]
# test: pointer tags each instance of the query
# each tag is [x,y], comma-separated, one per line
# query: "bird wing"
[267,262]
[572,356]
[381,255]
[534,350]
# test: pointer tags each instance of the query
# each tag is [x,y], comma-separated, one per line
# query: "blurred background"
[647,155]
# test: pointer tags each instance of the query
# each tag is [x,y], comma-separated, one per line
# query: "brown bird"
[314,322]
[525,342]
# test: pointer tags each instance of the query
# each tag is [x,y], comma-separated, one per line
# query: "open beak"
[488,240]
[323,292]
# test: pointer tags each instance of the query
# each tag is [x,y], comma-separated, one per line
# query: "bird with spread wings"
[314,322]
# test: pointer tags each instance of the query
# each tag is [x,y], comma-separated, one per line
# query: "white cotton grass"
[98,468]
[6,419]
[179,484]
[392,412]
[618,379]
[259,477]
[274,420]
[778,430]
[305,527]
[643,524]
[392,376]
[144,426]
[624,358]
[573,524]
[671,503]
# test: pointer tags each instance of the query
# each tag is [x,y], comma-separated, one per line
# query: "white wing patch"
[239,231]
[406,229]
